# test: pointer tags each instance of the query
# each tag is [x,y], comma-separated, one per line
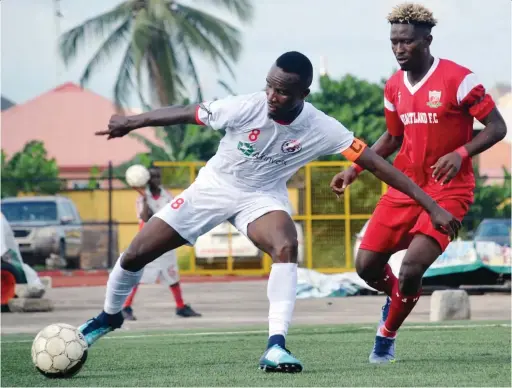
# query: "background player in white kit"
[269,136]
[152,199]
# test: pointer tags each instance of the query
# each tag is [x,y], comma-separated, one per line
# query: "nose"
[399,48]
[271,95]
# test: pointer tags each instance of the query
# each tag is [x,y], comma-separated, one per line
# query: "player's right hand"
[141,191]
[445,222]
[118,126]
[341,180]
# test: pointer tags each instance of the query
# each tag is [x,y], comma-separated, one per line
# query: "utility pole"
[57,15]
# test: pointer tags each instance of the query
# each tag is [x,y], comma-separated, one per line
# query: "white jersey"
[260,153]
[166,266]
[155,204]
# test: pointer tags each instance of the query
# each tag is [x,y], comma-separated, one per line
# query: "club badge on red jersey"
[434,99]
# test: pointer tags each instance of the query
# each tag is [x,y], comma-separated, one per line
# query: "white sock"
[281,293]
[119,285]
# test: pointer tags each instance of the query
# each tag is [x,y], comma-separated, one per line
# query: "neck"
[418,74]
[154,190]
[288,117]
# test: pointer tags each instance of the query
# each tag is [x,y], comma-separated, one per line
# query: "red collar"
[281,122]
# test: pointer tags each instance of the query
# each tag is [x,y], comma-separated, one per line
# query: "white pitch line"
[221,333]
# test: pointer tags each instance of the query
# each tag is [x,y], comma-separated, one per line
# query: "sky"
[352,36]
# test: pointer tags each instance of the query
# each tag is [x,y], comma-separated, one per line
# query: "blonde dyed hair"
[412,13]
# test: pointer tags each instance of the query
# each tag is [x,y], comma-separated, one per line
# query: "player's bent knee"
[285,251]
[369,266]
[409,279]
[136,257]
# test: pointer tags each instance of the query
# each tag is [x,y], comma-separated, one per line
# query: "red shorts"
[393,225]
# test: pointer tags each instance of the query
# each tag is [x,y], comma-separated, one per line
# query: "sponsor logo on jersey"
[434,98]
[291,146]
[245,148]
[248,150]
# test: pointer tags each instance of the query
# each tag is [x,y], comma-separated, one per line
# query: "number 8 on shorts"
[176,204]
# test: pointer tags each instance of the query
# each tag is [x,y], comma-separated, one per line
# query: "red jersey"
[435,116]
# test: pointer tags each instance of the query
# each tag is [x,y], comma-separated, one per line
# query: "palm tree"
[179,143]
[159,39]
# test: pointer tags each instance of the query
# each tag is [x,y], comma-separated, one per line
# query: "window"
[67,210]
[30,211]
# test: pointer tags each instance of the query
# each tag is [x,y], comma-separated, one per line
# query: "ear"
[306,93]
[429,38]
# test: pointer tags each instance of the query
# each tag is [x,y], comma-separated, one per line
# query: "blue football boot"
[384,348]
[278,359]
[103,324]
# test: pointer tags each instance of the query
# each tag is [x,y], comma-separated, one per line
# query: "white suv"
[213,247]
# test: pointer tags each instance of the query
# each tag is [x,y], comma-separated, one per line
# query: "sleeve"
[139,206]
[393,123]
[219,114]
[471,95]
[342,141]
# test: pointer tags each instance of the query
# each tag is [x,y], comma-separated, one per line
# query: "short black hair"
[297,63]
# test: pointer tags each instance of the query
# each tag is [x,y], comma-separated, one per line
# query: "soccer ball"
[59,351]
[137,175]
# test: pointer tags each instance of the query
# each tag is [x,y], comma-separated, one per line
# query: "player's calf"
[275,233]
[410,276]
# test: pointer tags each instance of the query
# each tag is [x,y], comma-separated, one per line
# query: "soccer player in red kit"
[430,104]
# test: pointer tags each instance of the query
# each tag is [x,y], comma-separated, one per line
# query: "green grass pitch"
[457,354]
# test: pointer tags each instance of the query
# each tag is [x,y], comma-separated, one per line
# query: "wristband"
[463,152]
[358,168]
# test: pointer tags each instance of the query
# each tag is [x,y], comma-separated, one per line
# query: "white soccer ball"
[59,351]
[137,175]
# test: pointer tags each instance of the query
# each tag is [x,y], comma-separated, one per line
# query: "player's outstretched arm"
[119,125]
[369,160]
[385,146]
[447,167]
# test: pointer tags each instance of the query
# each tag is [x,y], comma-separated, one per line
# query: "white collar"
[417,86]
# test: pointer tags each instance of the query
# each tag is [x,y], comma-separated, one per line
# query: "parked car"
[43,226]
[495,230]
[213,247]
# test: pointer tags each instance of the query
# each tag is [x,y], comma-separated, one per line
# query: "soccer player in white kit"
[269,136]
[165,268]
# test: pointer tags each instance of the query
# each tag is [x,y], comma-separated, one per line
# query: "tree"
[178,143]
[490,200]
[356,103]
[159,39]
[29,170]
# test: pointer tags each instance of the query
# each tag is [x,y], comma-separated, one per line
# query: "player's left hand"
[447,167]
[339,183]
[445,222]
[141,191]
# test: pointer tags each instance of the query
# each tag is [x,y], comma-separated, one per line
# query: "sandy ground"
[228,305]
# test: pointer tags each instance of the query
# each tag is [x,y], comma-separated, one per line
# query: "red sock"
[387,281]
[176,291]
[401,307]
[128,302]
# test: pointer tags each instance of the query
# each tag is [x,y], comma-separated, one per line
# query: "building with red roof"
[65,120]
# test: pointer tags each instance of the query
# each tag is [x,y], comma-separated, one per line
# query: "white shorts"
[164,268]
[209,202]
